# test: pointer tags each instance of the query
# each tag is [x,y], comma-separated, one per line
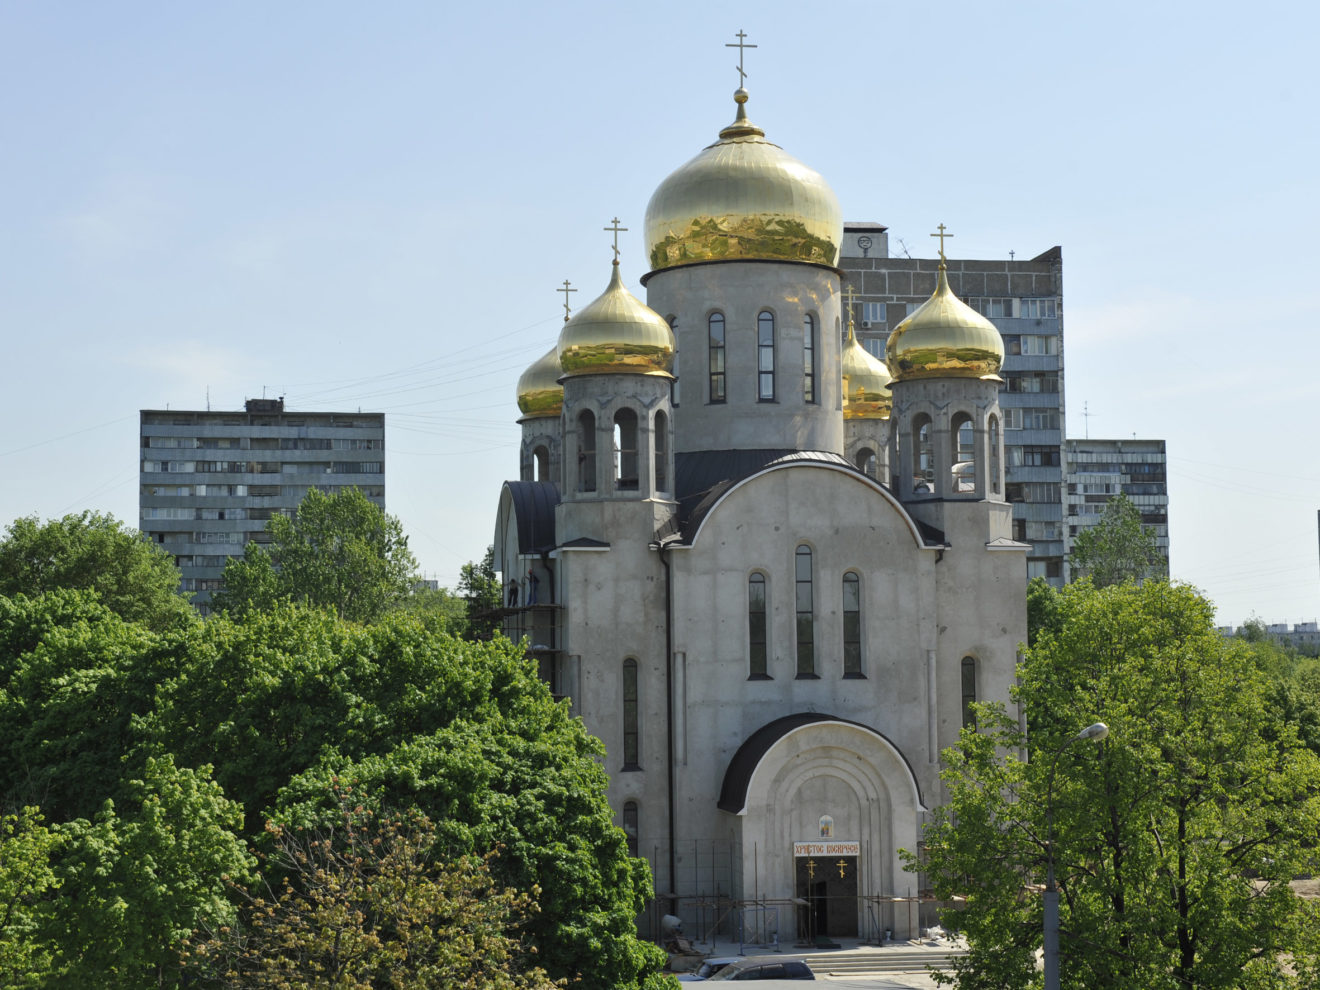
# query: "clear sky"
[371,205]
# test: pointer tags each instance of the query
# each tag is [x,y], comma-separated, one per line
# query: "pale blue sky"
[371,205]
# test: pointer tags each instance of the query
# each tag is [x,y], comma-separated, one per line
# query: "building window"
[765,357]
[994,454]
[866,462]
[630,716]
[968,692]
[541,460]
[661,444]
[809,359]
[625,451]
[1038,309]
[756,629]
[964,462]
[673,386]
[872,313]
[923,457]
[716,359]
[631,820]
[995,307]
[852,625]
[587,452]
[806,613]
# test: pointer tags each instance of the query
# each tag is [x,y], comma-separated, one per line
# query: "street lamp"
[1095,732]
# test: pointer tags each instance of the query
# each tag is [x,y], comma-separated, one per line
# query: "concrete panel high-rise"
[210,481]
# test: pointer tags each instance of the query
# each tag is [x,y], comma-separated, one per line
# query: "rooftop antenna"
[208,398]
[903,244]
[1012,255]
[1086,417]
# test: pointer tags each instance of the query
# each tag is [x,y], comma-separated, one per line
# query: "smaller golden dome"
[866,393]
[616,333]
[539,392]
[945,338]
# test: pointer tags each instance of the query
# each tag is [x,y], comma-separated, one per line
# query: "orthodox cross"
[742,76]
[941,235]
[841,864]
[811,869]
[566,290]
[851,303]
[617,231]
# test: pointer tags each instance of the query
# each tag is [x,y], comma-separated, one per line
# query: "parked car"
[765,968]
[708,968]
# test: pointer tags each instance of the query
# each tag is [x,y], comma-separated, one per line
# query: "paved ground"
[914,976]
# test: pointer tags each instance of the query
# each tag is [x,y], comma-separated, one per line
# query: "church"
[768,569]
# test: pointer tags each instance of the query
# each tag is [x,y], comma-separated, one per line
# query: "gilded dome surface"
[945,338]
[743,197]
[539,391]
[616,333]
[866,393]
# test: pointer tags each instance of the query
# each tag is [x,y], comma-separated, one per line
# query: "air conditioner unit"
[866,324]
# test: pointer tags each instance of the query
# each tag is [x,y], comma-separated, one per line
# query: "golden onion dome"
[743,197]
[616,333]
[866,393]
[945,338]
[539,392]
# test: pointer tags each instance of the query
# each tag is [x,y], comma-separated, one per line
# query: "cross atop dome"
[741,46]
[614,226]
[941,235]
[566,290]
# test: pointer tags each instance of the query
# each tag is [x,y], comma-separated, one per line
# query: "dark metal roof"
[534,509]
[738,775]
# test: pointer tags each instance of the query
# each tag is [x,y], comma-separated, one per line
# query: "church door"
[828,886]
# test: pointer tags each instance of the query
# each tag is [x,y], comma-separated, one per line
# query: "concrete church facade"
[768,569]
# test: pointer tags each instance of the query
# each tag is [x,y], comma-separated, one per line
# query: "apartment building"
[210,481]
[1098,470]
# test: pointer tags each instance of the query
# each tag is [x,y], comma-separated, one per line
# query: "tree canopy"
[1117,548]
[1174,840]
[339,551]
[133,577]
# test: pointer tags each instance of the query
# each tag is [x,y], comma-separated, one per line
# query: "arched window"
[806,613]
[968,692]
[716,358]
[923,456]
[625,450]
[631,739]
[963,435]
[809,359]
[765,357]
[852,625]
[994,454]
[661,444]
[631,822]
[866,462]
[673,386]
[756,628]
[541,460]
[587,452]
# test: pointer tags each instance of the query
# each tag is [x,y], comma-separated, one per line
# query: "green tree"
[1174,840]
[136,579]
[26,883]
[340,552]
[367,905]
[1117,548]
[134,887]
[480,588]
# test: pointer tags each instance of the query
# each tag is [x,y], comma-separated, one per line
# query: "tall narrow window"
[630,717]
[756,628]
[765,357]
[673,386]
[968,692]
[994,454]
[541,459]
[631,821]
[716,325]
[661,444]
[806,613]
[809,359]
[587,452]
[866,462]
[625,450]
[852,625]
[923,456]
[964,446]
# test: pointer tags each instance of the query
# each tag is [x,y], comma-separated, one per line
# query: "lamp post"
[1095,732]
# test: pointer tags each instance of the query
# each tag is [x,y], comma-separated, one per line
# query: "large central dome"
[743,198]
